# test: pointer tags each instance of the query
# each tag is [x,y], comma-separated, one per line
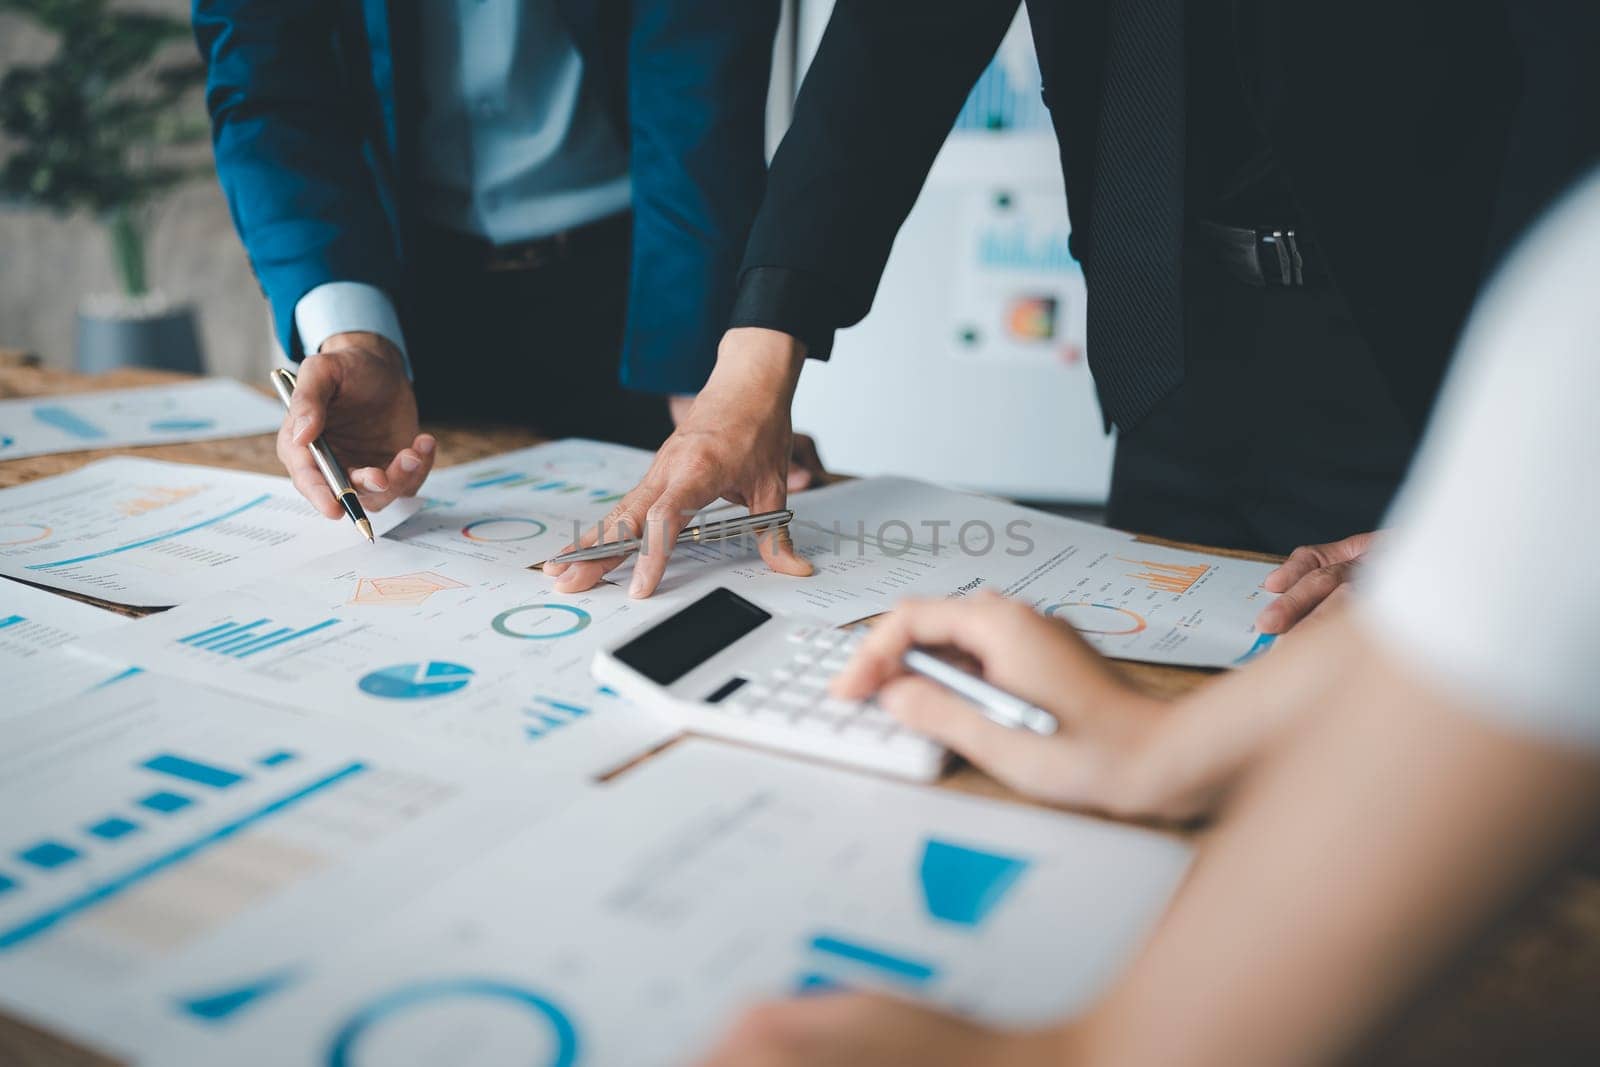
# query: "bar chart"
[243,640]
[1166,577]
[174,783]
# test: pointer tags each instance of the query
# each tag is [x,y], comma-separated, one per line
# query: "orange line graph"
[1168,577]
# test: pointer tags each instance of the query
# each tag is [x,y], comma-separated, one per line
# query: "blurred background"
[116,247]
[52,261]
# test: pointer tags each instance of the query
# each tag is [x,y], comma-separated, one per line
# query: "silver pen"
[992,702]
[699,534]
[283,382]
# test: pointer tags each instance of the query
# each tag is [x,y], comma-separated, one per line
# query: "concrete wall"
[47,264]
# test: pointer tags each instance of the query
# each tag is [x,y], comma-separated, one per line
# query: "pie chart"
[417,681]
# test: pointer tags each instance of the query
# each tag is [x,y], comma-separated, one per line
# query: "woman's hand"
[1100,759]
[857,1030]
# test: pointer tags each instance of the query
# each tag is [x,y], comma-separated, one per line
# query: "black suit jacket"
[1391,119]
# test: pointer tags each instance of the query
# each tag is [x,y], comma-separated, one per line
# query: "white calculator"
[728,668]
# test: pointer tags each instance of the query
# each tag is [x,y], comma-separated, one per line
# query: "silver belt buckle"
[1282,249]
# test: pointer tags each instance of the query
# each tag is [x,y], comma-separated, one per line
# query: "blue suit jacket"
[313,105]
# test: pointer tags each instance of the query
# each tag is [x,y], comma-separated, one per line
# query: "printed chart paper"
[424,643]
[34,622]
[172,858]
[124,418]
[523,507]
[152,534]
[35,626]
[633,927]
[1159,605]
[875,541]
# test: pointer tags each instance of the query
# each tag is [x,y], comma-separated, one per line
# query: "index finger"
[664,520]
[961,623]
[303,472]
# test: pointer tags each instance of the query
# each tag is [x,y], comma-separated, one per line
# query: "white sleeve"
[1490,580]
[344,307]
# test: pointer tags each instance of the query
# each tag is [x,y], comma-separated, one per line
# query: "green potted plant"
[99,126]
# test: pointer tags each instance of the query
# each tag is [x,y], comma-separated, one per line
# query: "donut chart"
[1105,619]
[396,1019]
[23,533]
[496,531]
[541,622]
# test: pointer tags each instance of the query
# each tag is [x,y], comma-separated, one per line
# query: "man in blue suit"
[492,199]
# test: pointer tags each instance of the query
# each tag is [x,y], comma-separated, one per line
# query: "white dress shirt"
[512,145]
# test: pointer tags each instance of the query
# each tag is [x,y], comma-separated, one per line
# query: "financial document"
[419,642]
[164,867]
[118,418]
[523,507]
[632,927]
[152,534]
[874,541]
[34,623]
[1157,605]
[35,626]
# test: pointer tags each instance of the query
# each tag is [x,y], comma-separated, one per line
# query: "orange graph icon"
[1168,577]
[402,588]
[157,497]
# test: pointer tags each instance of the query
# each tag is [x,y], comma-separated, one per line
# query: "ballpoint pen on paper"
[283,382]
[992,702]
[710,531]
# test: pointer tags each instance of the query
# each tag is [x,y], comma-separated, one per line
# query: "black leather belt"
[479,253]
[1260,257]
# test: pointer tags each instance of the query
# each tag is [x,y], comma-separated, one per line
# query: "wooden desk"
[1526,998]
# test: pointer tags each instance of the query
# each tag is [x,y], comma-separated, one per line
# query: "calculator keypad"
[797,691]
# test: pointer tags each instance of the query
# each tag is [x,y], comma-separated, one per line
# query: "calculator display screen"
[674,647]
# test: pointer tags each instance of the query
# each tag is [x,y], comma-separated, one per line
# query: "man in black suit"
[1283,212]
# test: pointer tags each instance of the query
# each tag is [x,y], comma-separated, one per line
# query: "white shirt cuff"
[344,307]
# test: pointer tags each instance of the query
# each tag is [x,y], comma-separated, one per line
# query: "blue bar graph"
[219,635]
[495,479]
[239,638]
[11,620]
[897,967]
[48,855]
[164,802]
[276,758]
[193,771]
[261,640]
[69,421]
[576,710]
[113,828]
[243,640]
[997,103]
[99,894]
[551,715]
[7,884]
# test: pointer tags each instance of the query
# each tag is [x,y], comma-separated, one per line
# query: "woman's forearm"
[1389,827]
[1210,738]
